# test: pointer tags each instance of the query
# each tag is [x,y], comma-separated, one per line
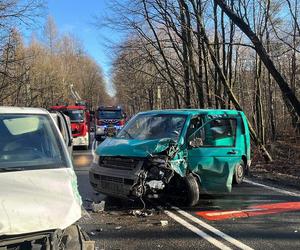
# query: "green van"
[174,152]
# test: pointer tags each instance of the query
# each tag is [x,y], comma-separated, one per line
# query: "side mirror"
[196,142]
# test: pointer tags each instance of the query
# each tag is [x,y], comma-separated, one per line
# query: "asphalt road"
[253,216]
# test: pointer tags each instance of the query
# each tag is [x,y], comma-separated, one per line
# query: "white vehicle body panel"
[38,200]
[20,110]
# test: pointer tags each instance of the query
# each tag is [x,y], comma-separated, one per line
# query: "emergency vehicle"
[80,123]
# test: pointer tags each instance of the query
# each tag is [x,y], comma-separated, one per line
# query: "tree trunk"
[231,95]
[291,100]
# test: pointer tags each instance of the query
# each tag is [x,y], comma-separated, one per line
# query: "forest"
[212,54]
[39,72]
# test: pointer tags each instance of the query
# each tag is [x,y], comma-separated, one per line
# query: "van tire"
[239,173]
[193,190]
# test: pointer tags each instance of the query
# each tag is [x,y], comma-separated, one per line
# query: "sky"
[78,17]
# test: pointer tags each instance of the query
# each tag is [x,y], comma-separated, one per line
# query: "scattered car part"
[98,207]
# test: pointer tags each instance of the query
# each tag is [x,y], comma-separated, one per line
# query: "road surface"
[253,216]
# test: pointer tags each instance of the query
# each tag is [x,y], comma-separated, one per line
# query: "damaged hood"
[38,200]
[133,148]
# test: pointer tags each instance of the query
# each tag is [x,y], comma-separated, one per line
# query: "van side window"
[195,123]
[218,133]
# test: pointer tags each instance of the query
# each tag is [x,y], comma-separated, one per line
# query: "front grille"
[111,179]
[122,163]
[105,178]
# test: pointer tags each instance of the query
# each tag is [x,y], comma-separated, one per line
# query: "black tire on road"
[193,190]
[239,173]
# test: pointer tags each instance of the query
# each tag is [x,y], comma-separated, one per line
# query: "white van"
[39,199]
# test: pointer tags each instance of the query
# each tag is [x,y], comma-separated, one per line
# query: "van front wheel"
[239,173]
[193,190]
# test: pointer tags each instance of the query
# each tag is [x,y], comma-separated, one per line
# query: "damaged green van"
[176,152]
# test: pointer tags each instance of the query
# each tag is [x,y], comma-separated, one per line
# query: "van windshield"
[109,114]
[30,142]
[153,126]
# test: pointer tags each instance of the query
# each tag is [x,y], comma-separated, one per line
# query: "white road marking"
[213,229]
[197,231]
[278,190]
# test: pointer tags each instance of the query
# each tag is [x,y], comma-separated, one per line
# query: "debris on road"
[164,223]
[141,213]
[118,227]
[98,207]
[92,233]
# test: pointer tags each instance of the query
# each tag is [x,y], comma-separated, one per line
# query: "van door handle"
[232,152]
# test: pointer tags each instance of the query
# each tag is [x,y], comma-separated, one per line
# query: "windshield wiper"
[11,169]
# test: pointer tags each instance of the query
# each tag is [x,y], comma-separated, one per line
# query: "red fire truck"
[80,123]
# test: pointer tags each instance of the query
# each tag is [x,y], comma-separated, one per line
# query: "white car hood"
[37,200]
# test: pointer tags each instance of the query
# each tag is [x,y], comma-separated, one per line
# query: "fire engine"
[80,123]
[109,120]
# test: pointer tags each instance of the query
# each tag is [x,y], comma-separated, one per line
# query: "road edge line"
[214,230]
[197,231]
[278,190]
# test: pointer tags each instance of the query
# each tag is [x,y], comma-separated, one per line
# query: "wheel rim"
[240,171]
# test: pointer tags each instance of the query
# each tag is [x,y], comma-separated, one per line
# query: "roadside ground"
[285,169]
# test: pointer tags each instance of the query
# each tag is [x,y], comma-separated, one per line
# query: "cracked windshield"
[147,127]
[149,124]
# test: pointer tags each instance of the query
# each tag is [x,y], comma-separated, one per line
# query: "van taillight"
[121,122]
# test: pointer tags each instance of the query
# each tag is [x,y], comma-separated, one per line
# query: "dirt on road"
[285,169]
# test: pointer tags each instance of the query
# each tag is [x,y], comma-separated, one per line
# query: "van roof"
[194,111]
[22,110]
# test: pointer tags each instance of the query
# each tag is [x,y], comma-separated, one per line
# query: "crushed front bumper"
[130,177]
[116,179]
